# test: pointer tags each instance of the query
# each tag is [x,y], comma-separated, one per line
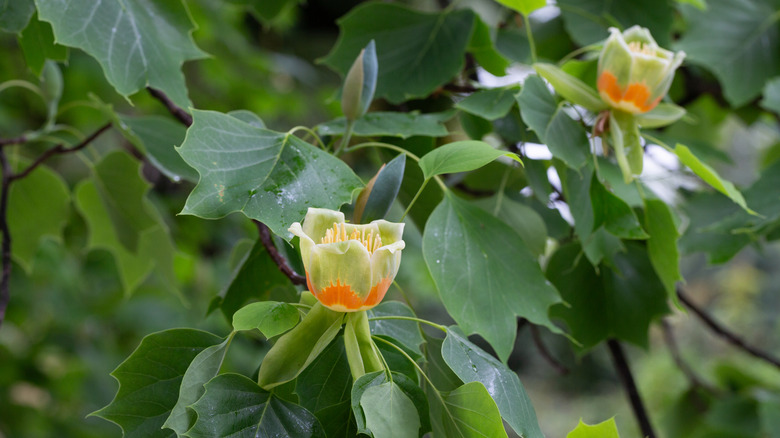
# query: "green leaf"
[154,248]
[611,303]
[326,382]
[771,100]
[235,406]
[570,87]
[417,52]
[392,124]
[566,138]
[606,429]
[460,156]
[587,20]
[204,367]
[384,190]
[485,274]
[124,37]
[119,183]
[296,349]
[472,364]
[405,332]
[466,412]
[270,317]
[738,53]
[149,380]
[617,217]
[489,104]
[408,387]
[436,368]
[38,206]
[524,7]
[156,136]
[710,176]
[662,245]
[257,172]
[256,277]
[483,48]
[248,117]
[389,412]
[524,220]
[15,14]
[662,115]
[37,43]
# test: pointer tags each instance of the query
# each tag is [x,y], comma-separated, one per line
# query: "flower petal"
[319,220]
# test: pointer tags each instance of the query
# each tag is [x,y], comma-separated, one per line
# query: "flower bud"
[634,73]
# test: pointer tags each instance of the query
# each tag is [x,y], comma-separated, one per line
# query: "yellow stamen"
[339,234]
[638,47]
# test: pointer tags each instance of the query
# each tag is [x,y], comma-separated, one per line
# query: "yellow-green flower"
[634,74]
[348,267]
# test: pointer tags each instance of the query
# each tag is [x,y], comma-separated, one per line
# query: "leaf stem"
[658,142]
[531,43]
[347,136]
[500,193]
[577,52]
[378,144]
[416,195]
[410,318]
[308,131]
[409,358]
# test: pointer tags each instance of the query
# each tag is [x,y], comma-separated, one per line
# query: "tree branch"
[183,116]
[725,333]
[557,366]
[10,141]
[57,150]
[5,277]
[671,342]
[624,373]
[281,262]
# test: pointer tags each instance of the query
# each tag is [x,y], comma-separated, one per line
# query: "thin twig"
[10,141]
[557,366]
[671,342]
[725,333]
[624,373]
[59,149]
[5,294]
[268,243]
[174,109]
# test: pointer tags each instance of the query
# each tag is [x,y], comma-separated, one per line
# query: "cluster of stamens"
[339,234]
[639,47]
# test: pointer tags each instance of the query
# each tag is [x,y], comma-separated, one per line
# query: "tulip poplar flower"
[348,267]
[634,74]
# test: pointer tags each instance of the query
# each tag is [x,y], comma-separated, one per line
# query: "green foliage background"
[110,244]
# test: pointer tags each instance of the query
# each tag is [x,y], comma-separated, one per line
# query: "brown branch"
[557,366]
[5,277]
[281,262]
[183,116]
[57,150]
[10,141]
[725,333]
[624,373]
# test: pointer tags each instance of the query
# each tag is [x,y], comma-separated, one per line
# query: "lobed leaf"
[269,176]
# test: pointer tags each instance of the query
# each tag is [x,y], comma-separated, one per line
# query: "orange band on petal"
[608,84]
[636,95]
[341,297]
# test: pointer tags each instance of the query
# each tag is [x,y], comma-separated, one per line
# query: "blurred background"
[71,320]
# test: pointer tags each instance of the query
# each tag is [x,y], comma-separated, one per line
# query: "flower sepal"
[296,349]
[362,354]
[571,88]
